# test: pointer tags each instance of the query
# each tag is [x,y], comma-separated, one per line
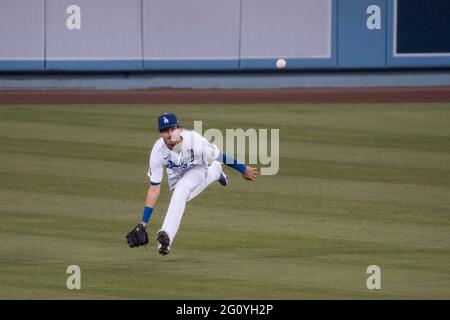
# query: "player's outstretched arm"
[138,235]
[249,173]
[150,202]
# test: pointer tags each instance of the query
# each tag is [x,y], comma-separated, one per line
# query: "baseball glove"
[137,237]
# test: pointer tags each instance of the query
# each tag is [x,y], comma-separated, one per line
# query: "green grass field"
[359,185]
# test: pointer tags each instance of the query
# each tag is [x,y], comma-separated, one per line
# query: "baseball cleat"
[163,242]
[223,180]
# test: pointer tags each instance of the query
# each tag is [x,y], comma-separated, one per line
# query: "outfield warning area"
[224,96]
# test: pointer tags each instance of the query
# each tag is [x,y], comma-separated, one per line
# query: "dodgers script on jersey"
[194,150]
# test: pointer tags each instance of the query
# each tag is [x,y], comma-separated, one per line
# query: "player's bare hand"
[250,173]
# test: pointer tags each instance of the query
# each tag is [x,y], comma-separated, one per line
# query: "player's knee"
[181,194]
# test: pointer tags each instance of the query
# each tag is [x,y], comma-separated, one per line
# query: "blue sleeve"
[146,214]
[231,162]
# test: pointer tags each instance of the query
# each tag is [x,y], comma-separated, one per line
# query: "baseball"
[281,63]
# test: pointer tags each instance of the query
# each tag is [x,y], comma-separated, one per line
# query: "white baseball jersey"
[195,150]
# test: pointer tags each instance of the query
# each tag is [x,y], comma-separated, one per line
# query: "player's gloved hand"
[250,173]
[137,237]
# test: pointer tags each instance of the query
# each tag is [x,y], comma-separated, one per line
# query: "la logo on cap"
[166,120]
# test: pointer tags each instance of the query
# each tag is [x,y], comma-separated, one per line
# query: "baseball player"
[185,155]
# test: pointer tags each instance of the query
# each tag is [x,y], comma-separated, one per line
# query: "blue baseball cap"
[167,120]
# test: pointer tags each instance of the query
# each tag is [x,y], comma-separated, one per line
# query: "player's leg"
[188,183]
[214,173]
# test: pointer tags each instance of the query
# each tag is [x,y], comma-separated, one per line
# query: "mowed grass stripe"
[72,186]
[73,150]
[81,118]
[75,133]
[341,170]
[367,156]
[365,138]
[80,168]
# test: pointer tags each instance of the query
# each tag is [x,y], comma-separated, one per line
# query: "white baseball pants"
[193,182]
